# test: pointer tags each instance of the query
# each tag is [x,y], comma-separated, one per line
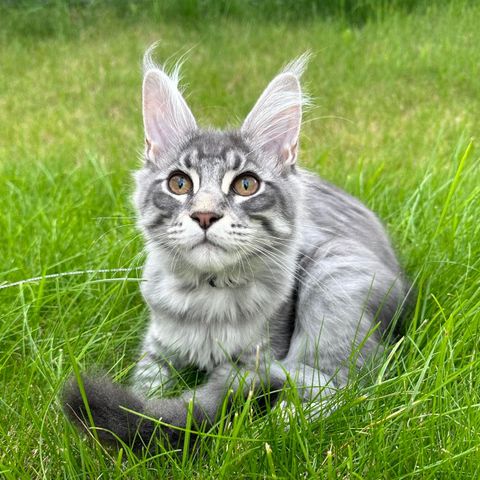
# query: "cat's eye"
[246,184]
[179,183]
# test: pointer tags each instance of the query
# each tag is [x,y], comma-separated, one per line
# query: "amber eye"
[179,183]
[245,185]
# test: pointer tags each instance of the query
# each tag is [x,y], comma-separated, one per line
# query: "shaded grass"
[69,17]
[397,103]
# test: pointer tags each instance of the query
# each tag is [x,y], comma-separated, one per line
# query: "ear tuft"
[172,72]
[298,65]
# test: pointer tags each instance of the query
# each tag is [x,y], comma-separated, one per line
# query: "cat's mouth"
[209,243]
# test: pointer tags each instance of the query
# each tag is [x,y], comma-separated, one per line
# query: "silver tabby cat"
[256,271]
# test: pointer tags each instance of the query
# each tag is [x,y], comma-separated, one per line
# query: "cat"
[257,271]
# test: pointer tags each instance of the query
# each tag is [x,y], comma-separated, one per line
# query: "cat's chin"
[208,257]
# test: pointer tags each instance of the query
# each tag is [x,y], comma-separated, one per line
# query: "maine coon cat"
[257,271]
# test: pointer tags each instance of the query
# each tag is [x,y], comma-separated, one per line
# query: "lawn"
[396,112]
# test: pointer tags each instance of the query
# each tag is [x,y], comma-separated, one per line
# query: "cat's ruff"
[257,271]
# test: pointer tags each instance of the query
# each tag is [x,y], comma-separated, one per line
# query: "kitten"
[256,270]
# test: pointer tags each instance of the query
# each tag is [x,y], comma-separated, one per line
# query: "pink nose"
[205,219]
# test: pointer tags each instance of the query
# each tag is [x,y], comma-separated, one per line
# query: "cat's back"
[347,266]
[332,215]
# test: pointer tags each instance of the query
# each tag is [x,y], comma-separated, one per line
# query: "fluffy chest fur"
[204,325]
[206,346]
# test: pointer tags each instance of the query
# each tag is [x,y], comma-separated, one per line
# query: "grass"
[396,107]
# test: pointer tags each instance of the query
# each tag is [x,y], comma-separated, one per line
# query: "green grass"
[397,102]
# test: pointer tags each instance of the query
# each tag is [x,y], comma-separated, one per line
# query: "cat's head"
[212,200]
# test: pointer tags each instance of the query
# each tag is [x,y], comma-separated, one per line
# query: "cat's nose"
[205,219]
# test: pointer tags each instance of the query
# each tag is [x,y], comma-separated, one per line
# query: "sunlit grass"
[396,104]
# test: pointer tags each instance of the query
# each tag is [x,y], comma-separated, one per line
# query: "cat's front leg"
[153,372]
[151,376]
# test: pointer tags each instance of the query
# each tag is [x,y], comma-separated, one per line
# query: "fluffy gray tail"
[118,415]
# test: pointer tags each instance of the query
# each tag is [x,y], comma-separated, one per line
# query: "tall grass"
[396,107]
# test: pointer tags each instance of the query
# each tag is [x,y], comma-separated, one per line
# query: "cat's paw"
[151,380]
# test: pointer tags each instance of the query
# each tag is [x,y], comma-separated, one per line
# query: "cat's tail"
[115,414]
[119,415]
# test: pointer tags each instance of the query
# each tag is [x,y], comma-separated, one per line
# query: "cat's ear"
[166,116]
[274,122]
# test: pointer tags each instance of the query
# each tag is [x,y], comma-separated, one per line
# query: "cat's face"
[213,200]
[213,203]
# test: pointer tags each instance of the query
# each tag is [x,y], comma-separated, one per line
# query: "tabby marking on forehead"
[187,161]
[235,161]
[188,158]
